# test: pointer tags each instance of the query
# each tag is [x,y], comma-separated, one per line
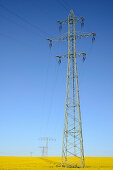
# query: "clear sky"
[33,84]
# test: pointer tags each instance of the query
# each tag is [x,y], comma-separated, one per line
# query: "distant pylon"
[43,150]
[31,154]
[72,148]
[47,139]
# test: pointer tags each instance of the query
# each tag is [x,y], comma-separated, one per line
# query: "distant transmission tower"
[72,148]
[43,150]
[47,139]
[31,153]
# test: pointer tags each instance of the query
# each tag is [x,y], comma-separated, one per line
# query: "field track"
[46,163]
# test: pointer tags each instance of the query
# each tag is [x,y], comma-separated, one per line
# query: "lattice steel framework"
[72,148]
[45,149]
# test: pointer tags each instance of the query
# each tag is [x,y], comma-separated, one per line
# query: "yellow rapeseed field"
[46,163]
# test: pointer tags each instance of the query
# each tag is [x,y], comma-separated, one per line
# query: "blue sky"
[32,88]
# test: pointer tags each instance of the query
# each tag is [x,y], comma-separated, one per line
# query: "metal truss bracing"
[72,147]
[45,149]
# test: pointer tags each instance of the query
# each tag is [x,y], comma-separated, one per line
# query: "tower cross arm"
[63,37]
[78,35]
[77,19]
[71,55]
[85,35]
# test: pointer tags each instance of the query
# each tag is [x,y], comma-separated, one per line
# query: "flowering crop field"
[46,163]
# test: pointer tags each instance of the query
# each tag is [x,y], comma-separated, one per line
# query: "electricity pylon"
[43,150]
[72,148]
[31,153]
[47,139]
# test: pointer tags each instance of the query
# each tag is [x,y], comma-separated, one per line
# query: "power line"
[67,4]
[24,20]
[62,4]
[21,26]
[10,37]
[52,98]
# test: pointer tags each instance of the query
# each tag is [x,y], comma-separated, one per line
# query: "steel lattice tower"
[45,149]
[72,148]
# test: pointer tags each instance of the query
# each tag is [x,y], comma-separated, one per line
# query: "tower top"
[71,14]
